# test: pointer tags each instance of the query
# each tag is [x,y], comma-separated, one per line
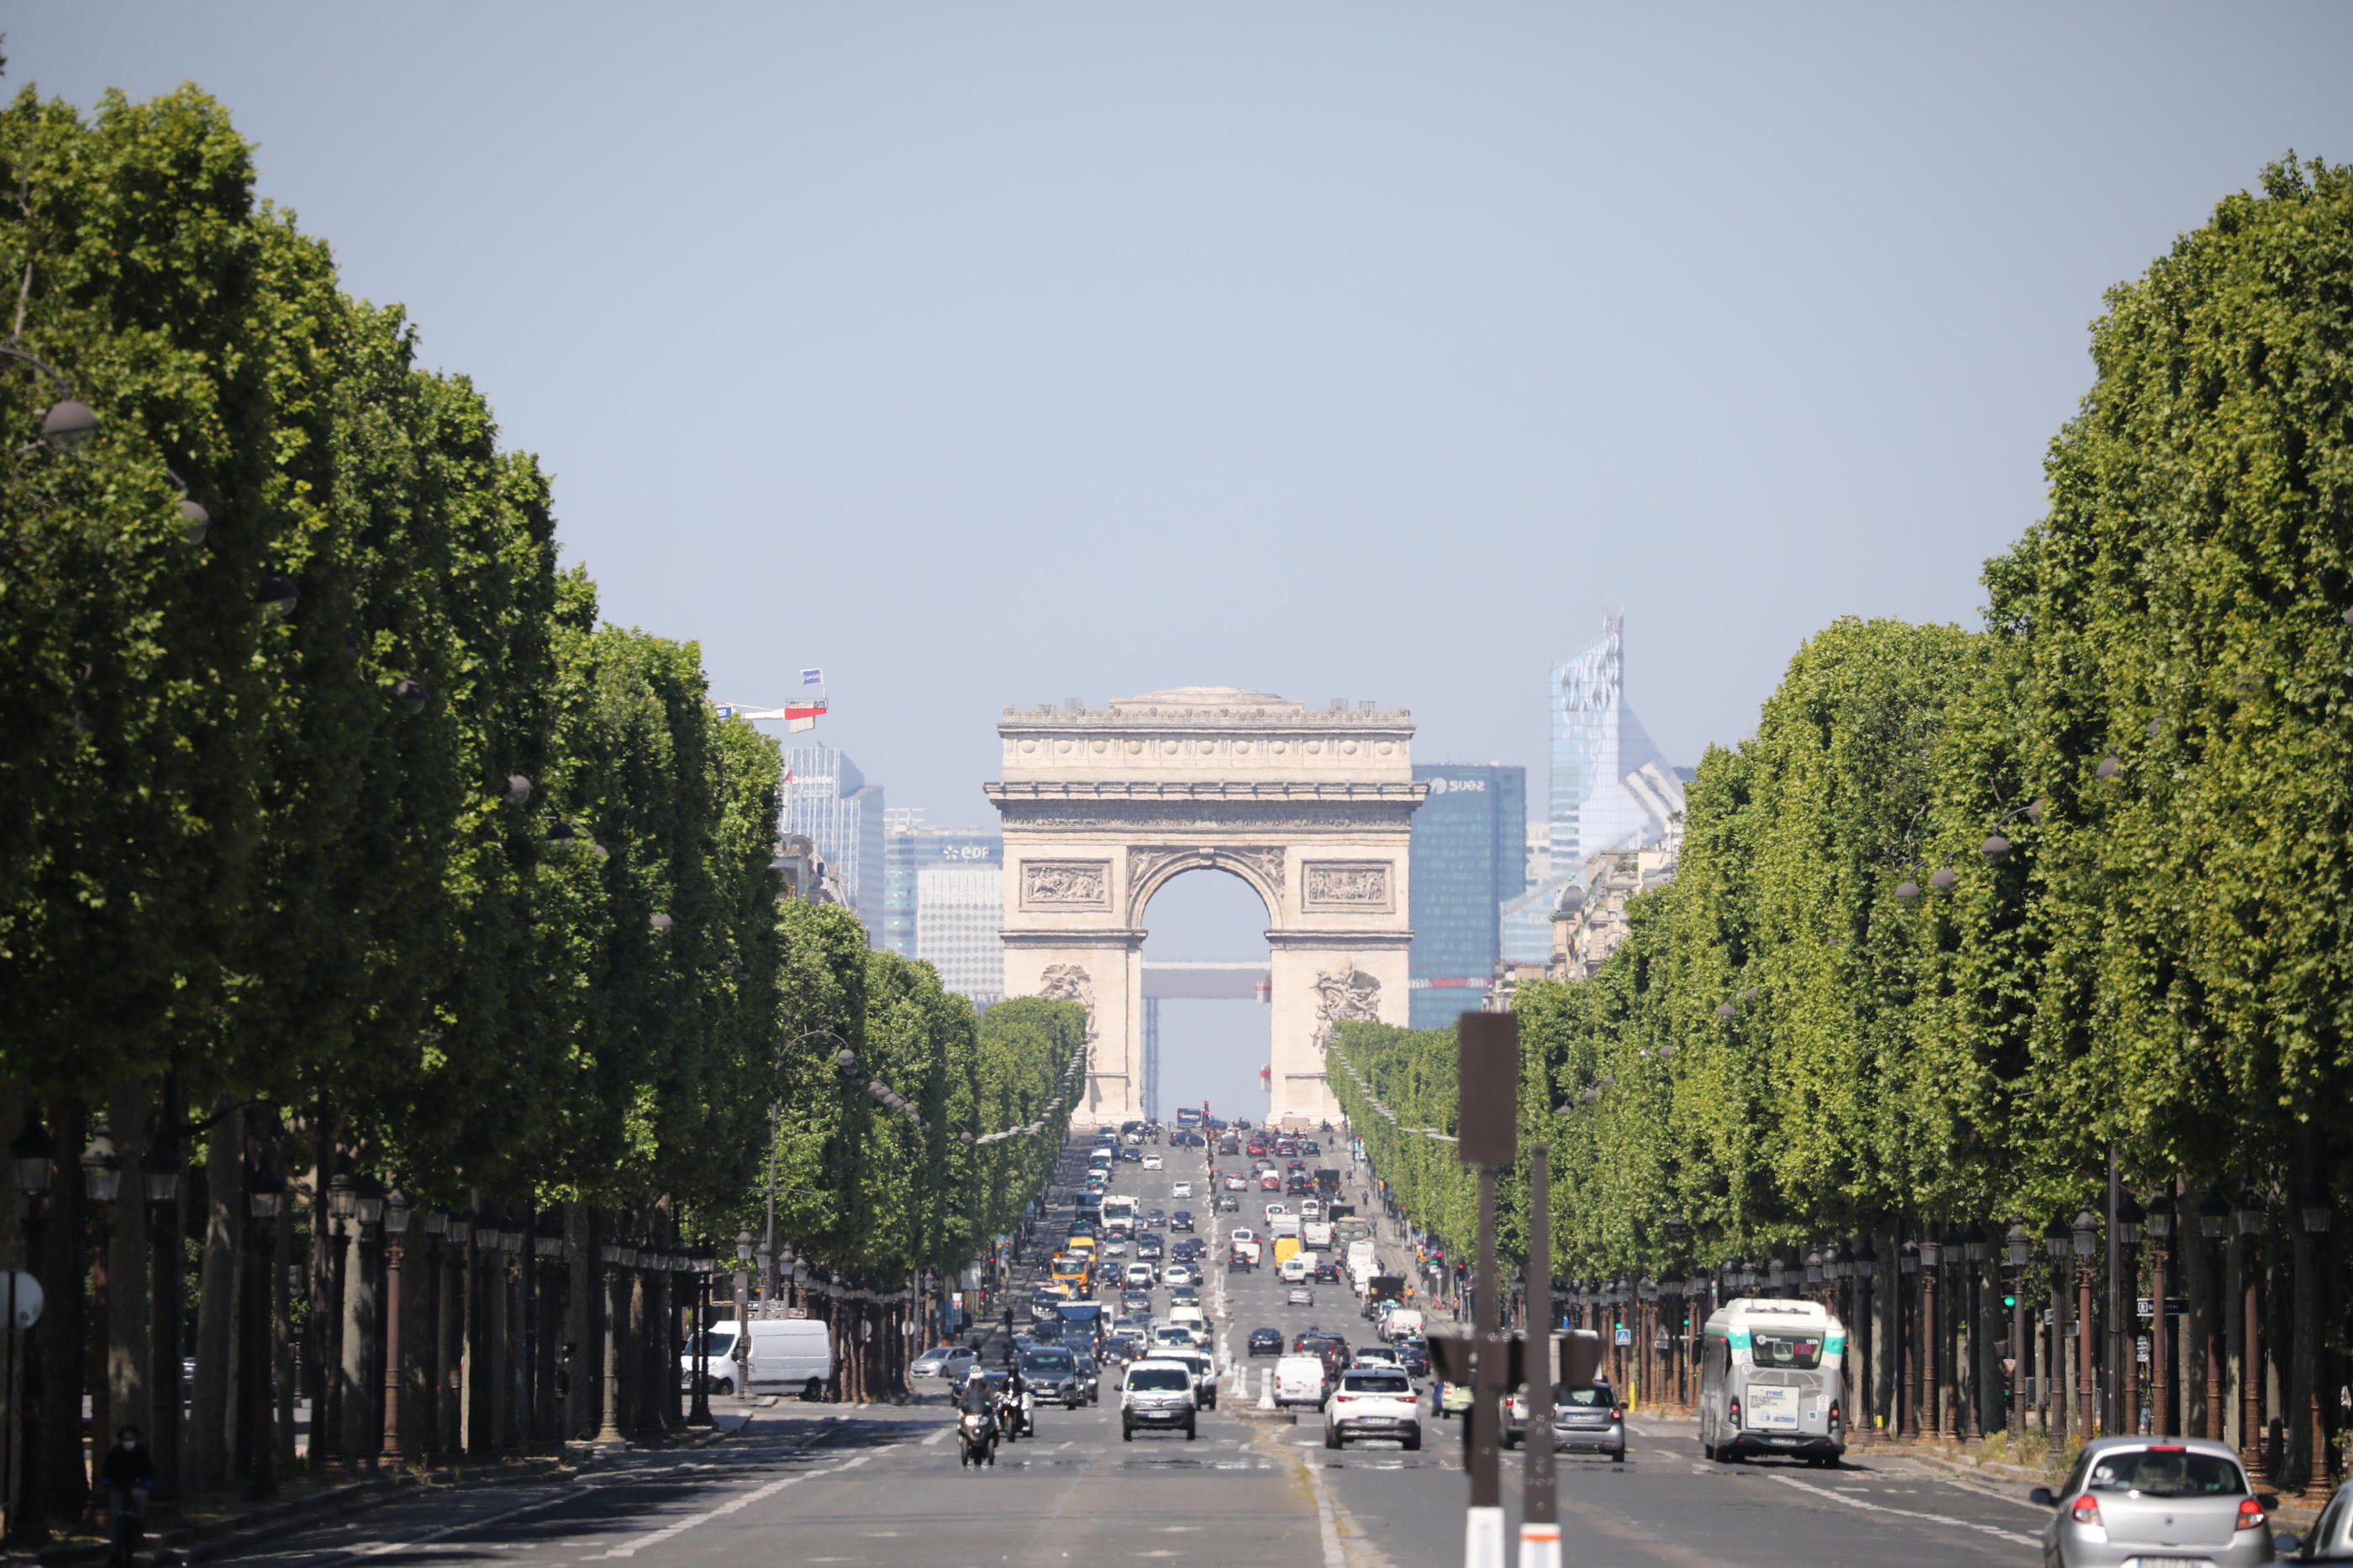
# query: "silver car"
[2143,1502]
[1583,1420]
[2330,1539]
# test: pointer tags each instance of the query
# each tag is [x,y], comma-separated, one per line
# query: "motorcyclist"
[973,1400]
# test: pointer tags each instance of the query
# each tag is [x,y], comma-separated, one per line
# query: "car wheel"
[1618,1458]
[726,1385]
[1413,1441]
[1332,1437]
[1189,1433]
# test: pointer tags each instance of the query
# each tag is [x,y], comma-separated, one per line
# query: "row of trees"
[1975,910]
[346,849]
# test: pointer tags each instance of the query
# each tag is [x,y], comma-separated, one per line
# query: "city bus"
[1772,1382]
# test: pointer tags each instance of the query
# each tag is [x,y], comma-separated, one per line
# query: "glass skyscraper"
[1468,856]
[959,911]
[1609,788]
[827,798]
[910,846]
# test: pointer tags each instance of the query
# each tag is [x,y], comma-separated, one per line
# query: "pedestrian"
[128,1475]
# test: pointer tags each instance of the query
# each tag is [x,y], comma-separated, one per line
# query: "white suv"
[1181,1190]
[1373,1403]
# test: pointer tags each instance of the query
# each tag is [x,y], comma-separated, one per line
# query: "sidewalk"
[214,1525]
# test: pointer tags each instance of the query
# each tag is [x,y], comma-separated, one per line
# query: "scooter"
[1013,1418]
[976,1437]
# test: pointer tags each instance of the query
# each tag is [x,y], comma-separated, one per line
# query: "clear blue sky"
[990,353]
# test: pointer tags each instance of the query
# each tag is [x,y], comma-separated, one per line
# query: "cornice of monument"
[1209,791]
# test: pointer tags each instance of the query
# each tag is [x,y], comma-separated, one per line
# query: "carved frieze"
[1358,886]
[1187,819]
[1148,864]
[1066,884]
[1343,994]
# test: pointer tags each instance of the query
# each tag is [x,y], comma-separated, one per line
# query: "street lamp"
[343,1198]
[35,1152]
[2084,1232]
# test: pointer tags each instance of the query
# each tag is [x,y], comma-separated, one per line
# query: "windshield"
[1586,1398]
[1375,1383]
[1046,1364]
[716,1342]
[2166,1472]
[1160,1379]
[1803,1351]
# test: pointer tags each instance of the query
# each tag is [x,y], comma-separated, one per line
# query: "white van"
[1402,1324]
[792,1354]
[1293,1271]
[1298,1380]
[1192,1321]
[721,1369]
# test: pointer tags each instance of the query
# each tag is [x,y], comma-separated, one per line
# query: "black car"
[1182,1220]
[1131,1152]
[1266,1341]
[1413,1355]
[1238,1263]
[1326,1273]
[1154,1216]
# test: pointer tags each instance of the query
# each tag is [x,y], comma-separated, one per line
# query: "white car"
[1139,1275]
[1276,1211]
[1243,1233]
[1181,1190]
[1152,1162]
[1236,1185]
[1183,1274]
[1373,1403]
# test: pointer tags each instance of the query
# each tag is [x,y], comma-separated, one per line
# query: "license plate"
[2168,1563]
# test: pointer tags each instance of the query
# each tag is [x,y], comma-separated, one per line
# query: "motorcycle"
[1014,1418]
[976,1437]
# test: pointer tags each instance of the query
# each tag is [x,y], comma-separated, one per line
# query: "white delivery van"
[1402,1324]
[1299,1380]
[721,1365]
[794,1354]
[1294,1269]
[1192,1321]
[1360,1259]
[1315,1235]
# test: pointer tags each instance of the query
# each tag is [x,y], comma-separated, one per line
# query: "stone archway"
[1100,807]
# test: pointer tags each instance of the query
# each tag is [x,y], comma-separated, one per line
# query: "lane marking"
[1944,1519]
[740,1500]
[938,1438]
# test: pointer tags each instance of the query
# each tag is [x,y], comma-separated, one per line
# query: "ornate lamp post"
[2315,1215]
[1977,1251]
[2084,1235]
[2058,1243]
[2017,1246]
[396,1213]
[1907,1264]
[265,1200]
[2248,1215]
[705,1262]
[2159,1223]
[2213,1228]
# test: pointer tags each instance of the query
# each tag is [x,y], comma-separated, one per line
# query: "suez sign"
[1457,786]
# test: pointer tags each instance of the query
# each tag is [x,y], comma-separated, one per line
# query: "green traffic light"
[2010,1301]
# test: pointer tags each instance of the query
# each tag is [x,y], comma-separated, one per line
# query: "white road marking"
[740,1500]
[387,1548]
[1944,1519]
[938,1438]
[1327,1524]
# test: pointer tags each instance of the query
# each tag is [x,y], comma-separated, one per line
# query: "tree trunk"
[57,1478]
[212,1420]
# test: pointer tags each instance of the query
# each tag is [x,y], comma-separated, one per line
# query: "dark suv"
[1181,1221]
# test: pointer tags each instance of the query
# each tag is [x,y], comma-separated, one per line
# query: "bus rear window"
[1803,1351]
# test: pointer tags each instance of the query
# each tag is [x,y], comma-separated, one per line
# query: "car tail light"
[1834,1416]
[2085,1510]
[1736,1415]
[2251,1514]
[1617,1413]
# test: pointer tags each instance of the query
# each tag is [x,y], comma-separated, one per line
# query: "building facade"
[910,846]
[828,802]
[1469,857]
[958,912]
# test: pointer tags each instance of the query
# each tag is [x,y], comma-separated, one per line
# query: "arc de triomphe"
[1101,806]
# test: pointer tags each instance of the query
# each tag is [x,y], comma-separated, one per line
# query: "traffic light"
[2008,1302]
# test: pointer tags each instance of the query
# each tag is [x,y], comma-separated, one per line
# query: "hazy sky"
[1000,352]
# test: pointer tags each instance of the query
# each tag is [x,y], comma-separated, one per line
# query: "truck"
[1348,1229]
[1283,1225]
[1327,1182]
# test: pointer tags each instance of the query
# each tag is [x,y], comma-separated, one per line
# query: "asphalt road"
[838,1485]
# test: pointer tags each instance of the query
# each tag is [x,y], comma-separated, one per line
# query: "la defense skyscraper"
[1609,788]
